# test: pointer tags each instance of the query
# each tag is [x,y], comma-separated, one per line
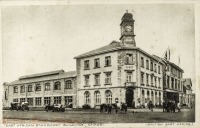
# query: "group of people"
[108,107]
[170,106]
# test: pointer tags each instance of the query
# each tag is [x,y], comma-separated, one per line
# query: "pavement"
[94,116]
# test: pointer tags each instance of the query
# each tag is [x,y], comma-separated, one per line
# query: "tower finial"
[126,11]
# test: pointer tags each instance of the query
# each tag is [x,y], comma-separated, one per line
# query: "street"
[93,116]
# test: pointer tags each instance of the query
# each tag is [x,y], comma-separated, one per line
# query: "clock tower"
[127,30]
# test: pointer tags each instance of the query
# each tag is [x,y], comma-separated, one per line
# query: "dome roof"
[127,17]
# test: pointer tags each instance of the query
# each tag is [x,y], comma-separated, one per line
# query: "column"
[154,98]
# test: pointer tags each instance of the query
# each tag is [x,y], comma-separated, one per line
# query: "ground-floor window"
[57,100]
[38,101]
[30,101]
[68,101]
[143,99]
[87,97]
[97,97]
[22,100]
[108,95]
[47,100]
[15,100]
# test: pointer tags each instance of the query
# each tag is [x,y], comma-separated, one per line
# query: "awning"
[167,90]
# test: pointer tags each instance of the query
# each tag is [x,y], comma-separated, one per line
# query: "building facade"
[188,98]
[57,87]
[119,72]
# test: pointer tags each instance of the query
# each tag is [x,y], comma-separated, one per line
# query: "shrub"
[86,106]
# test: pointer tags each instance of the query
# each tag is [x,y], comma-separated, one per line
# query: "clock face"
[128,28]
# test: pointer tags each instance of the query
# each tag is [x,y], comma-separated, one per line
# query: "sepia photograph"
[98,64]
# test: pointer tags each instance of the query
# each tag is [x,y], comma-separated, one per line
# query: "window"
[97,98]
[57,85]
[107,78]
[151,80]
[168,81]
[97,79]
[96,63]
[38,101]
[175,84]
[22,89]
[68,100]
[47,87]
[151,66]
[142,78]
[87,97]
[15,89]
[30,101]
[68,84]
[15,100]
[159,69]
[86,64]
[142,62]
[155,81]
[172,83]
[38,87]
[147,79]
[108,61]
[87,78]
[129,59]
[147,64]
[22,100]
[129,77]
[47,100]
[178,85]
[158,82]
[108,95]
[30,88]
[155,68]
[57,100]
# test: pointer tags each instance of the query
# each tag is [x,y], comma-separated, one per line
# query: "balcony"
[129,84]
[129,67]
[86,86]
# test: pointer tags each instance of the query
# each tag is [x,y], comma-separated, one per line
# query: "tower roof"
[127,17]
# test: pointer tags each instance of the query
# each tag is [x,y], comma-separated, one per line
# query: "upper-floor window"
[22,89]
[68,84]
[108,78]
[142,62]
[151,80]
[129,77]
[87,78]
[129,59]
[147,79]
[155,67]
[147,64]
[15,89]
[155,81]
[151,66]
[86,64]
[108,61]
[30,88]
[159,69]
[96,63]
[47,87]
[38,87]
[97,79]
[57,85]
[142,78]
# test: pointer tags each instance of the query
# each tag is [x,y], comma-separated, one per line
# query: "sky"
[44,38]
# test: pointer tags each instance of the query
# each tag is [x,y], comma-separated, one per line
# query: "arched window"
[57,85]
[108,94]
[87,97]
[15,89]
[97,97]
[22,88]
[47,87]
[38,87]
[30,88]
[68,84]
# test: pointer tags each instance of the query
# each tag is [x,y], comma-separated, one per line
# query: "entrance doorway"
[129,98]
